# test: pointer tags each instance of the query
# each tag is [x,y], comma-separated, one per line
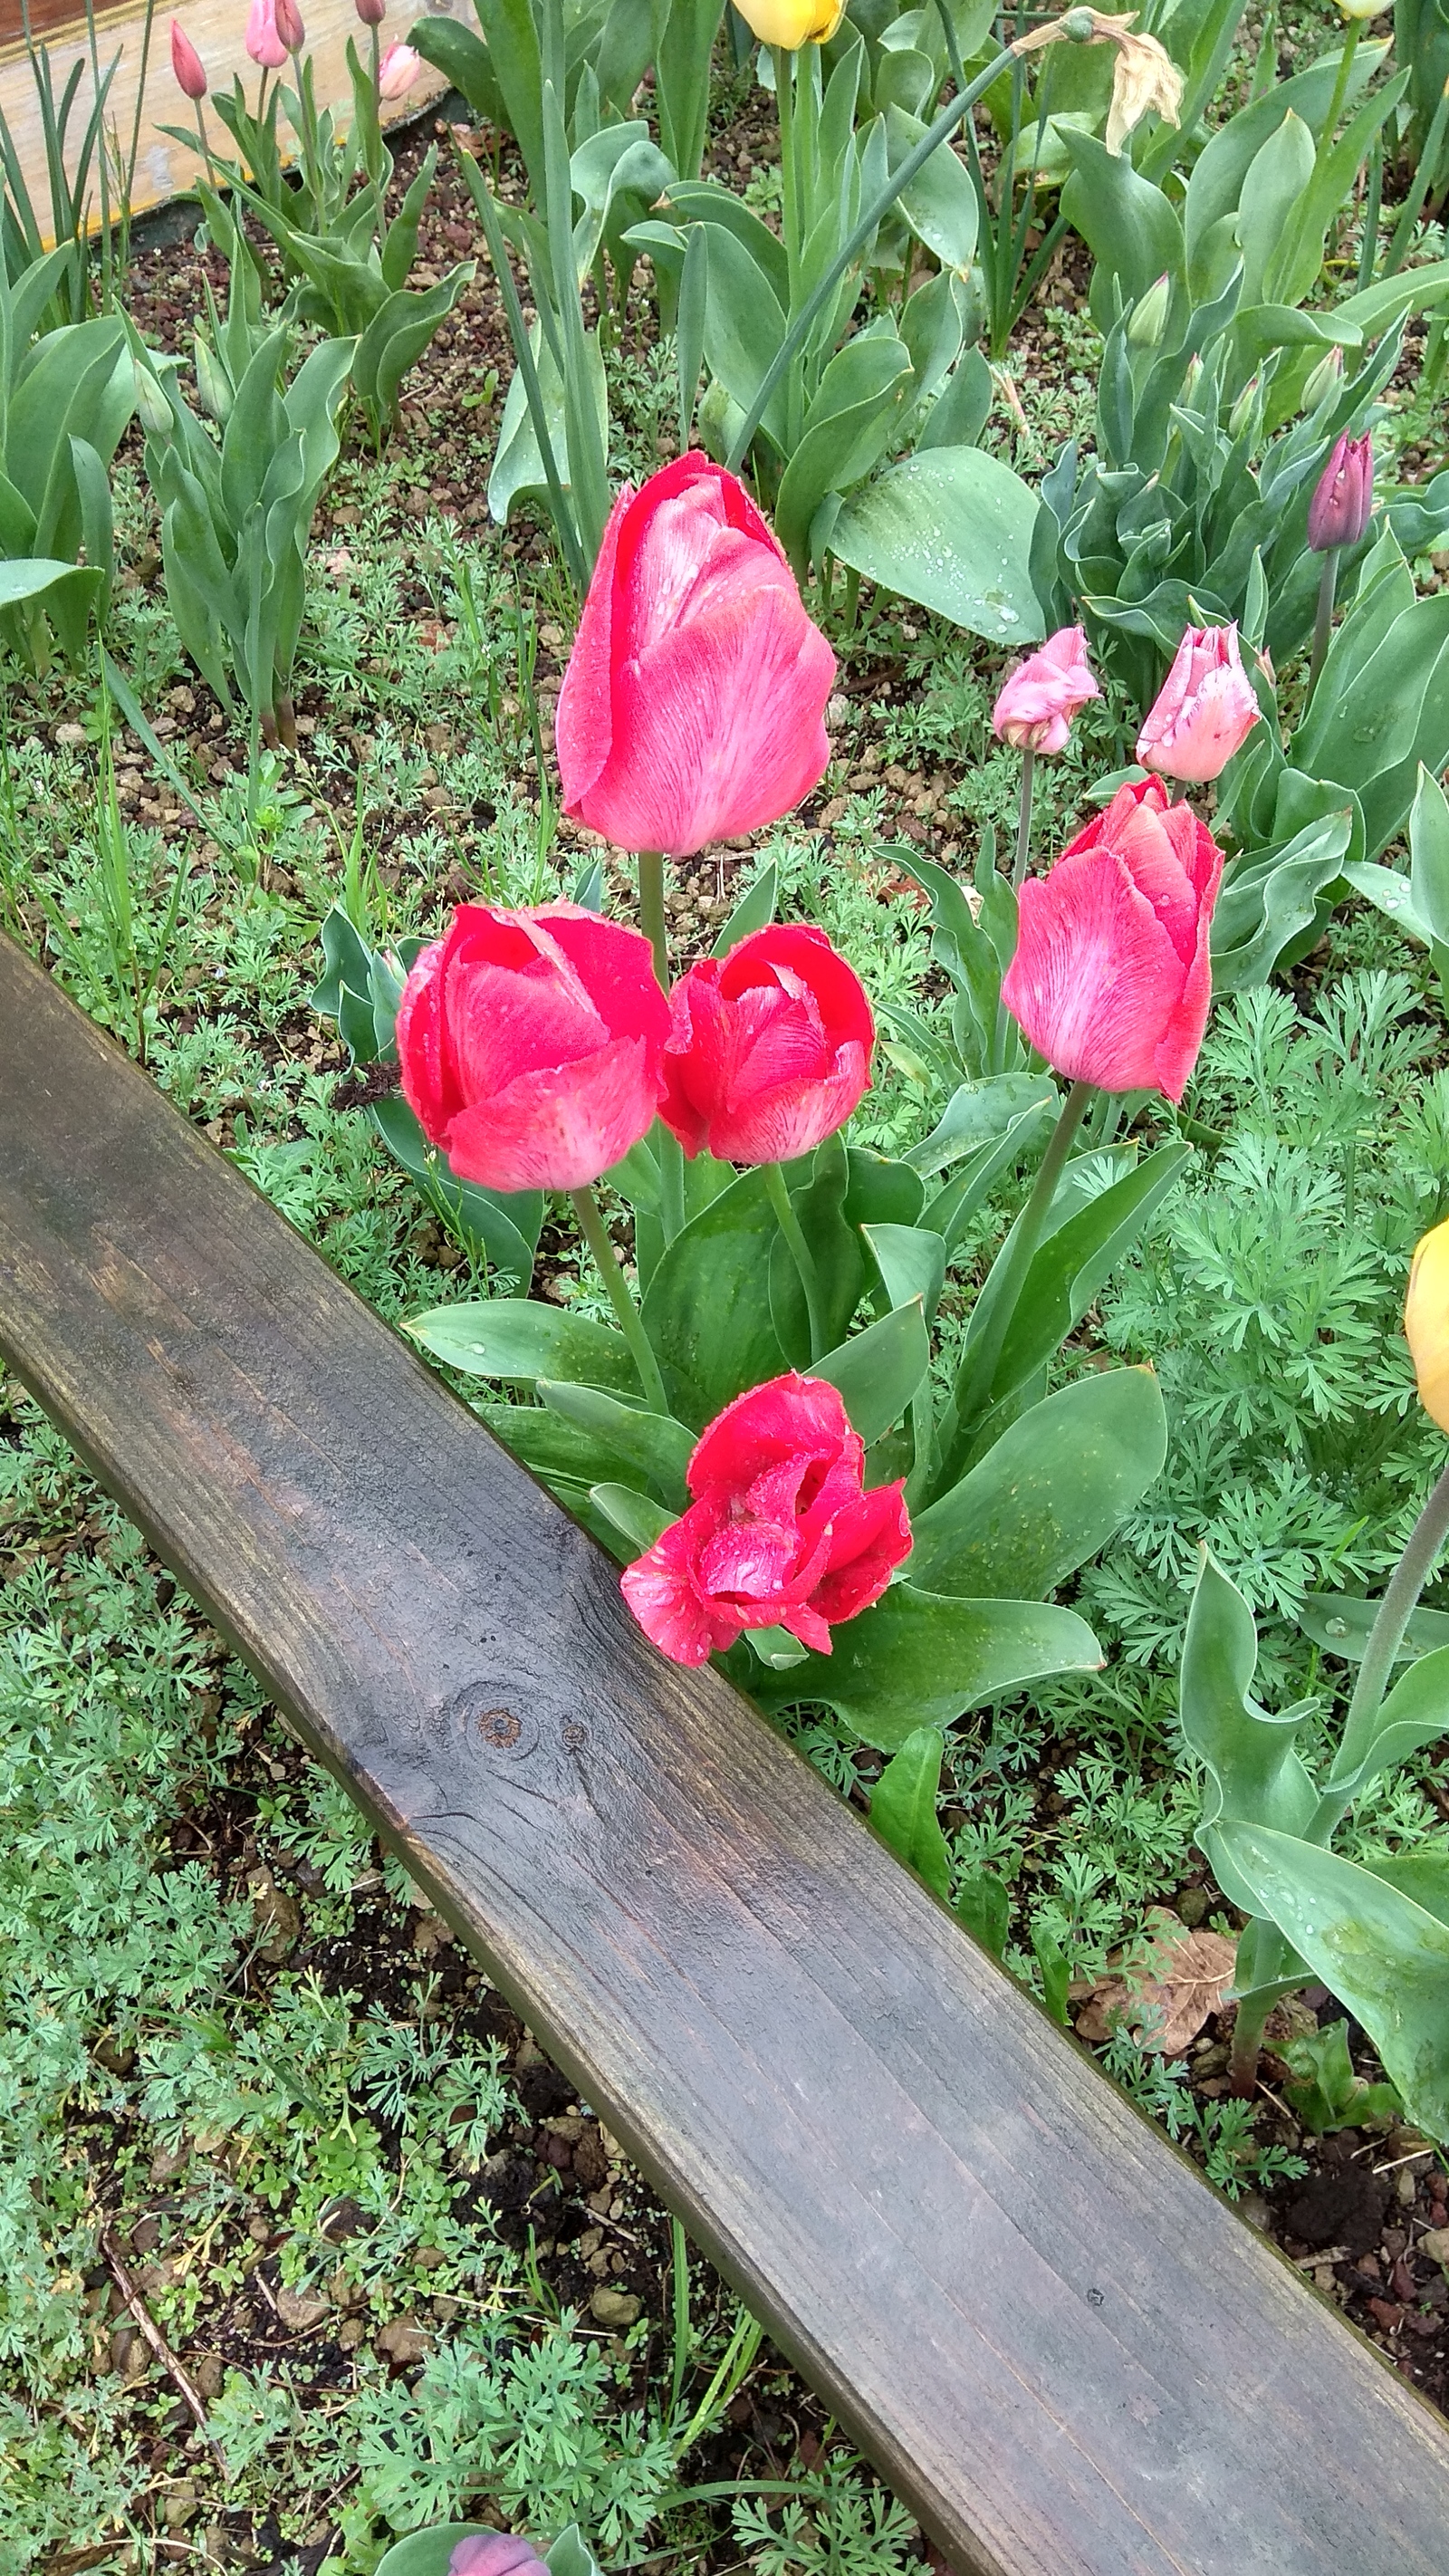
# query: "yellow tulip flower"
[1426,1323]
[792,23]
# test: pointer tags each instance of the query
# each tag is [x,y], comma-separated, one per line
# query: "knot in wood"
[500,1728]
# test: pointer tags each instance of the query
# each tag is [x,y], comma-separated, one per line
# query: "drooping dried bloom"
[1144,75]
[1204,710]
[1035,707]
[1111,979]
[1343,503]
[781,1532]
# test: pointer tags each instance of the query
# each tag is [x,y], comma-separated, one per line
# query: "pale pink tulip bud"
[371,12]
[1342,506]
[398,70]
[494,2553]
[1035,708]
[187,64]
[290,27]
[263,42]
[1204,709]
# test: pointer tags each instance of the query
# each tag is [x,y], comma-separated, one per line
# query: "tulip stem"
[1323,622]
[1001,1295]
[1387,1633]
[606,1262]
[651,910]
[804,1259]
[1023,825]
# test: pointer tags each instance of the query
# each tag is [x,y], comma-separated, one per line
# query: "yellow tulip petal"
[1426,1323]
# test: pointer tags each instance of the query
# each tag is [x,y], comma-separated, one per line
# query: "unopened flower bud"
[371,12]
[151,403]
[290,27]
[213,385]
[1241,415]
[1149,314]
[398,70]
[1326,378]
[1343,503]
[187,64]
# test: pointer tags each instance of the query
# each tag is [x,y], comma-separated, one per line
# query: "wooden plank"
[217,28]
[1054,2340]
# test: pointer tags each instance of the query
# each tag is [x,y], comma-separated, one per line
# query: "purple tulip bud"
[1342,506]
[495,2553]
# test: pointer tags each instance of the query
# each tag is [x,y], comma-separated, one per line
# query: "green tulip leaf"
[878,1371]
[1070,1266]
[649,1443]
[1342,1623]
[1429,857]
[571,2555]
[977,1113]
[512,1337]
[903,1809]
[754,911]
[911,1260]
[552,1448]
[1422,1875]
[1415,1713]
[879,1191]
[636,1516]
[707,1305]
[1384,1956]
[835,1248]
[951,529]
[983,1908]
[917,1659]
[1254,1770]
[1049,1493]
[426,2553]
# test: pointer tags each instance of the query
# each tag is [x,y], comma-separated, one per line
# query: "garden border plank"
[1055,2341]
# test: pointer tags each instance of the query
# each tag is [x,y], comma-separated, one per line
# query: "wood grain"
[1054,2340]
[217,28]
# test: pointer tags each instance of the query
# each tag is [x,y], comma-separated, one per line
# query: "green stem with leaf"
[801,1254]
[606,1262]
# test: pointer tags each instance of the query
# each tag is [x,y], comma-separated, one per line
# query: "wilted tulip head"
[1426,1323]
[1144,74]
[1035,707]
[693,706]
[495,2553]
[792,23]
[529,1044]
[769,1048]
[398,70]
[1204,710]
[263,40]
[781,1532]
[186,63]
[1111,979]
[1343,502]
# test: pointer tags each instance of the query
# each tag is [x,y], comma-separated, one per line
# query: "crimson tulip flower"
[693,706]
[769,1048]
[1111,979]
[1204,710]
[1035,707]
[781,1532]
[530,1043]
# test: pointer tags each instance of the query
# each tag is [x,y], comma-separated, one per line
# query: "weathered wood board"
[1052,2337]
[217,28]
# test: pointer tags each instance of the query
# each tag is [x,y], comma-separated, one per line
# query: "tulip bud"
[1241,416]
[1362,9]
[1426,1323]
[1343,503]
[1204,710]
[1326,378]
[151,403]
[1149,314]
[792,23]
[1191,377]
[492,2553]
[371,12]
[397,71]
[187,64]
[289,25]
[213,385]
[263,42]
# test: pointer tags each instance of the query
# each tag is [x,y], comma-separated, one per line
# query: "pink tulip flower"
[263,42]
[1035,708]
[289,25]
[530,1042]
[693,706]
[187,64]
[769,1050]
[781,1532]
[398,70]
[1203,711]
[372,14]
[494,2553]
[1111,979]
[1343,502]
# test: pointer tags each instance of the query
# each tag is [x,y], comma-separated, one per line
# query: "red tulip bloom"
[1111,979]
[769,1050]
[1204,710]
[1343,501]
[781,1532]
[263,42]
[494,2553]
[1035,708]
[187,64]
[693,706]
[529,1044]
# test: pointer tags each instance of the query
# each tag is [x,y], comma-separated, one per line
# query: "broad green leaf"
[1382,1955]
[940,205]
[1271,897]
[1071,1265]
[879,1191]
[840,1268]
[977,1112]
[1342,1622]
[571,2555]
[1049,1493]
[916,1659]
[1328,2093]
[512,1337]
[551,1448]
[1254,1772]
[1272,185]
[903,1809]
[518,470]
[878,1371]
[1415,1713]
[1129,225]
[850,423]
[911,1260]
[983,1908]
[951,529]
[743,326]
[464,60]
[754,911]
[1429,856]
[1422,1875]
[707,1306]
[636,1516]
[650,1443]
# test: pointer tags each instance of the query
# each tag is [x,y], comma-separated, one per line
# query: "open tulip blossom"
[1426,1322]
[769,1048]
[1204,710]
[781,1533]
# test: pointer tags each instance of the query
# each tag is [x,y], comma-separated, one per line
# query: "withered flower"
[1144,74]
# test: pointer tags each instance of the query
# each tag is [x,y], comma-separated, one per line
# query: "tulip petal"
[769,1423]
[1093,970]
[557,1128]
[662,1593]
